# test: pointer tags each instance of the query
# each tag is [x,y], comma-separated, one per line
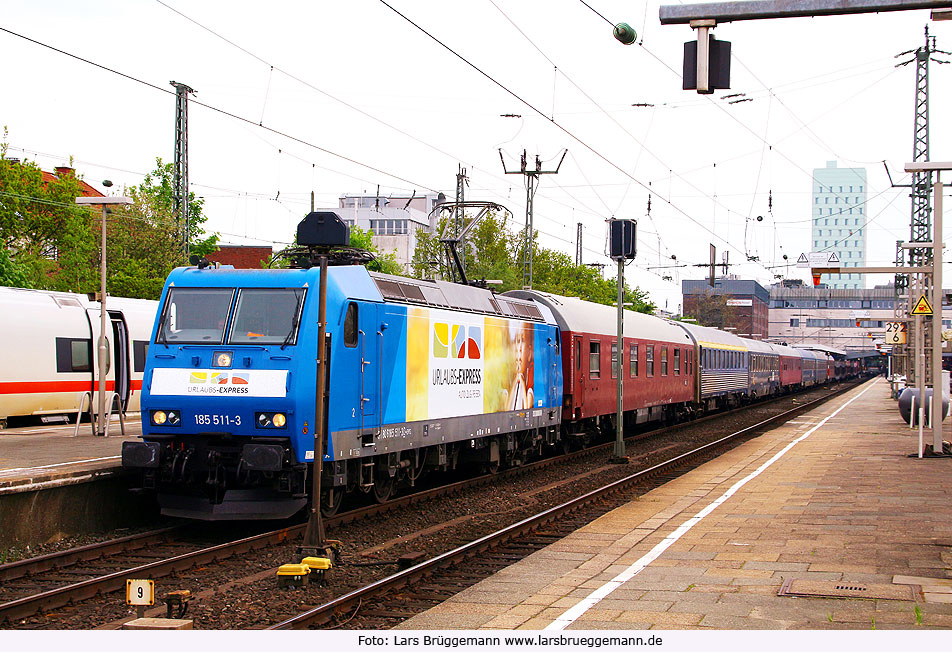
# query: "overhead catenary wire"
[218,110]
[556,123]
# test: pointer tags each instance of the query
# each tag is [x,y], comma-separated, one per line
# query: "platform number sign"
[895,332]
[140,592]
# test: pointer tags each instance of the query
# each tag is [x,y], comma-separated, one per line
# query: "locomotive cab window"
[350,325]
[195,315]
[267,316]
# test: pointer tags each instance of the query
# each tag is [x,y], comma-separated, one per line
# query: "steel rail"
[350,601]
[65,558]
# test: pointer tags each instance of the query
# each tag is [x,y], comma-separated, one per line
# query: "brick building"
[740,306]
[242,257]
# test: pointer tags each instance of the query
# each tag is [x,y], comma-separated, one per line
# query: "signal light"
[816,280]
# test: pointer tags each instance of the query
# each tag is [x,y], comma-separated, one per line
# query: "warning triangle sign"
[923,307]
[833,258]
[802,259]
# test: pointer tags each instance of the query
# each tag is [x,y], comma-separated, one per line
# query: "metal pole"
[314,535]
[103,348]
[938,390]
[619,454]
[920,369]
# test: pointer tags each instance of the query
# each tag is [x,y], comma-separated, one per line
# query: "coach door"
[120,356]
[369,344]
[578,373]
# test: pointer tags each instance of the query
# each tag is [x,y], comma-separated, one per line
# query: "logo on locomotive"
[445,334]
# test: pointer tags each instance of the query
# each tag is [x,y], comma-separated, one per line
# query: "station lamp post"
[104,203]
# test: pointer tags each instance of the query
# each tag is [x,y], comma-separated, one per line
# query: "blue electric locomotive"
[422,375]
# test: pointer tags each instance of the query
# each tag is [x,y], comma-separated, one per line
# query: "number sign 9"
[140,592]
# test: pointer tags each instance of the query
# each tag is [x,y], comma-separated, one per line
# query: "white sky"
[822,89]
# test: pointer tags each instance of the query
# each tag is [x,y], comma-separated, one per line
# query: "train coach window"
[664,361]
[73,354]
[633,361]
[649,359]
[195,315]
[267,316]
[614,359]
[350,326]
[594,359]
[139,350]
[677,362]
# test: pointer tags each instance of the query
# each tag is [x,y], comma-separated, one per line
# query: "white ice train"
[48,358]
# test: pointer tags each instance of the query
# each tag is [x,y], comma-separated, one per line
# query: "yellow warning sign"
[923,307]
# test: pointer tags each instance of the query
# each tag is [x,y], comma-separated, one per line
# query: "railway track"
[391,600]
[52,581]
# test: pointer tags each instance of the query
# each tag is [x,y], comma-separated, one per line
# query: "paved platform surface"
[845,506]
[42,456]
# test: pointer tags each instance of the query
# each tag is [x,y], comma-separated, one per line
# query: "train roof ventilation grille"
[527,310]
[400,291]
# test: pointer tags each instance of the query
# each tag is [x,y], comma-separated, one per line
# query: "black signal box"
[719,65]
[622,239]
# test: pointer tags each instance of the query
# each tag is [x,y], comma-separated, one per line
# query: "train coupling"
[141,454]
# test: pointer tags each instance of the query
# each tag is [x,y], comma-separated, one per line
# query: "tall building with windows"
[839,221]
[393,220]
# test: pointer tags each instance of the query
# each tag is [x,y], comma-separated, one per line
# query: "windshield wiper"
[294,323]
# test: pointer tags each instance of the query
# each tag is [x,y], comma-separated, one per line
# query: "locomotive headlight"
[221,359]
[159,417]
[270,420]
[174,418]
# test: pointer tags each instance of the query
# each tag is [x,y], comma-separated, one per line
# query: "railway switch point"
[293,576]
[330,550]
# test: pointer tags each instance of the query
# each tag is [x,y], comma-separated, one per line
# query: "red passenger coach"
[791,368]
[658,362]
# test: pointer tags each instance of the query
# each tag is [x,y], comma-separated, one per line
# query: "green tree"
[385,262]
[494,252]
[143,241]
[44,233]
[11,273]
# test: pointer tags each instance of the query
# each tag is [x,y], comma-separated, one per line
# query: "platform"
[45,456]
[828,503]
[53,484]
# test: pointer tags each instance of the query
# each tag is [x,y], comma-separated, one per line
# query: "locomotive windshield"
[267,316]
[195,315]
